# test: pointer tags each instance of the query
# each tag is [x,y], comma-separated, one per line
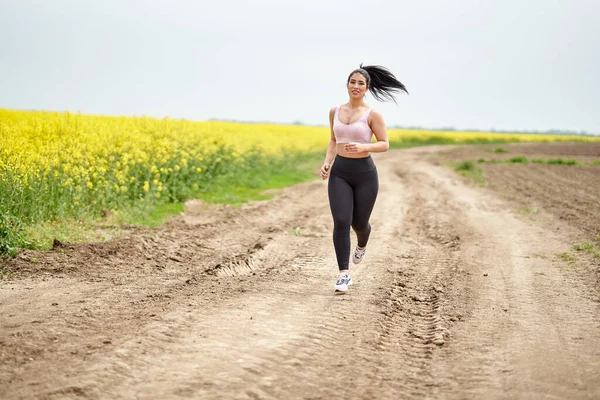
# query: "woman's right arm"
[331,148]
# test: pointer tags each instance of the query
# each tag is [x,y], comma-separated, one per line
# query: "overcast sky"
[503,64]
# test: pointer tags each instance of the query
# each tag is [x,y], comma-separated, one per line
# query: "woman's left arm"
[377,125]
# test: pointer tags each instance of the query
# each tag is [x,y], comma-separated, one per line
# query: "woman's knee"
[341,223]
[364,227]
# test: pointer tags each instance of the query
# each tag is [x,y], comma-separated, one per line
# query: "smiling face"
[357,85]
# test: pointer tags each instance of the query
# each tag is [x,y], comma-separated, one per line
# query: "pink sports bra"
[358,131]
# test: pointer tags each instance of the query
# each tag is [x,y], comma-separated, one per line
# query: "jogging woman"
[353,182]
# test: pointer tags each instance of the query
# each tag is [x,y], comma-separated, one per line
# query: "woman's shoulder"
[374,115]
[374,111]
[332,111]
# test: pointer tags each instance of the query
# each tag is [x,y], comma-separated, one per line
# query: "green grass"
[530,210]
[4,274]
[500,150]
[251,185]
[525,160]
[567,257]
[296,232]
[465,166]
[151,215]
[560,161]
[587,247]
[518,160]
[484,161]
[441,140]
[470,170]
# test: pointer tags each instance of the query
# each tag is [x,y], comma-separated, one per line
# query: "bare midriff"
[340,150]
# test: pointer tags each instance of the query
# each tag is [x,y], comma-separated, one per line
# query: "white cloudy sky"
[503,64]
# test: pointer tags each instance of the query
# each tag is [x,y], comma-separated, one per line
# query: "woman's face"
[357,86]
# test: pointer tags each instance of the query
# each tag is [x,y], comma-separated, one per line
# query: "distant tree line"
[494,130]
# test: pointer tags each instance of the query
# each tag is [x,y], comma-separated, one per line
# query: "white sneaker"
[358,255]
[342,283]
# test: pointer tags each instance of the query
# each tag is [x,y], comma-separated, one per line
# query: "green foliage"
[5,274]
[560,161]
[442,140]
[518,160]
[588,247]
[567,257]
[465,166]
[525,160]
[11,234]
[296,232]
[471,171]
[500,150]
[530,210]
[226,178]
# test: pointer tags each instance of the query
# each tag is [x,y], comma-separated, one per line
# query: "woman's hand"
[325,170]
[353,148]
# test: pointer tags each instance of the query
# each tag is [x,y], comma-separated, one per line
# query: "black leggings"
[352,189]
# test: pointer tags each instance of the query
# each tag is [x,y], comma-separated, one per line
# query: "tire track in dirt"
[414,325]
[528,327]
[304,365]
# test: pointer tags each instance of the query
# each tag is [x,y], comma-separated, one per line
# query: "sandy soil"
[461,295]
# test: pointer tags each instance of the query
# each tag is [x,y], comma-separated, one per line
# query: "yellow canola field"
[404,135]
[33,144]
[68,161]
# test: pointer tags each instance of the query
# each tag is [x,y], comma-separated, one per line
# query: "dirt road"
[458,297]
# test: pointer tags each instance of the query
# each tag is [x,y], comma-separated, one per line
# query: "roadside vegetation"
[471,171]
[525,160]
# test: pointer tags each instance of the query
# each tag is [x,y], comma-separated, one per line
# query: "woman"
[353,182]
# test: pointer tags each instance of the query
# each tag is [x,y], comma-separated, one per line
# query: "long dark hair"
[381,82]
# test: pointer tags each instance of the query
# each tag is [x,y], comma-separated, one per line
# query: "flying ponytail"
[381,82]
